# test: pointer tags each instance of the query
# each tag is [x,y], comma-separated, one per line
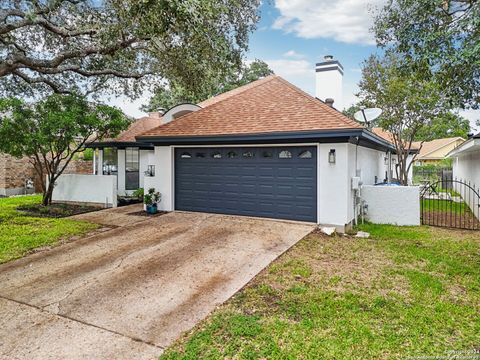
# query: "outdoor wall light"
[331,156]
[150,171]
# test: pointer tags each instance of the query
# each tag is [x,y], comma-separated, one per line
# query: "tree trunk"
[48,193]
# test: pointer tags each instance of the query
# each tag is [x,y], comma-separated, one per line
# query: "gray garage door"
[266,181]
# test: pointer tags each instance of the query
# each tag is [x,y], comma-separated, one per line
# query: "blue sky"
[293,35]
[292,49]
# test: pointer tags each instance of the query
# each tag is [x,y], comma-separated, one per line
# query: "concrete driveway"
[129,292]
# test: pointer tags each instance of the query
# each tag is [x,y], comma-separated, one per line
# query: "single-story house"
[466,160]
[266,149]
[466,169]
[434,151]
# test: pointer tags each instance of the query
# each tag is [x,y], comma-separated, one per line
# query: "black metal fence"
[450,203]
[422,175]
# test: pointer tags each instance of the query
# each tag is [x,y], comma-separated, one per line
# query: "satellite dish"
[367,115]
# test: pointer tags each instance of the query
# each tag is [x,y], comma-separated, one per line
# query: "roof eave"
[120,144]
[335,135]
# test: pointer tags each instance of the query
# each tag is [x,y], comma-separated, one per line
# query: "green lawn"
[20,233]
[406,291]
[445,206]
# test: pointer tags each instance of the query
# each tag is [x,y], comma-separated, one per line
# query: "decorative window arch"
[216,155]
[186,155]
[285,154]
[306,154]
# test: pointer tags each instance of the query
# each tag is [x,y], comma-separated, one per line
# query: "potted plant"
[151,199]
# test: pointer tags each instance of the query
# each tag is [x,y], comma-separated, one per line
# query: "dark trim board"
[120,145]
[329,69]
[331,62]
[326,136]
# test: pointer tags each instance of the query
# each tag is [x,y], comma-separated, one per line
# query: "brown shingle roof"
[268,105]
[138,127]
[387,135]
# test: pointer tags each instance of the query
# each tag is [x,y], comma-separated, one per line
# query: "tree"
[166,97]
[440,34]
[445,125]
[408,101]
[51,132]
[84,46]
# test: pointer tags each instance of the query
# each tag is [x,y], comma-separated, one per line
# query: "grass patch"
[406,291]
[445,206]
[21,233]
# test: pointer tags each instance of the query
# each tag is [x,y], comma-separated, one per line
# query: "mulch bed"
[56,210]
[447,219]
[145,214]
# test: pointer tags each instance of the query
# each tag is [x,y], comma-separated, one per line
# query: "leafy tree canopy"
[84,46]
[51,132]
[441,35]
[167,96]
[445,125]
[408,101]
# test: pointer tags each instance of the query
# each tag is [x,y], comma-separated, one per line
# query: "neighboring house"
[413,151]
[18,177]
[265,149]
[14,174]
[432,152]
[466,169]
[466,160]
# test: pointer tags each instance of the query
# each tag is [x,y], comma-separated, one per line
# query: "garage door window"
[285,154]
[248,154]
[267,154]
[231,154]
[217,155]
[200,155]
[186,155]
[305,154]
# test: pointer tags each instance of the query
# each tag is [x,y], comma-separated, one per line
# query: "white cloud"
[299,72]
[293,54]
[128,106]
[347,21]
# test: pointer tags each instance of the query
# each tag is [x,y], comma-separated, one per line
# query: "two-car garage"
[274,182]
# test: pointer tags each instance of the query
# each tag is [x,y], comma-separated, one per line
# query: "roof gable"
[430,147]
[264,106]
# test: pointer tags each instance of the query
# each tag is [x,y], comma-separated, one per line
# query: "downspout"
[356,191]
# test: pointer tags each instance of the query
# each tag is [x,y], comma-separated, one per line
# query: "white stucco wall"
[146,158]
[466,167]
[328,84]
[163,179]
[399,205]
[94,189]
[333,186]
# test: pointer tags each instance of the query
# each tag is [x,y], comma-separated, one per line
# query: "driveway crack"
[66,317]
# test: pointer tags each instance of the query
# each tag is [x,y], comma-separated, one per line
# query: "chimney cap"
[328,57]
[329,102]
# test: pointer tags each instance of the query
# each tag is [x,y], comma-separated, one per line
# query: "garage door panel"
[256,186]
